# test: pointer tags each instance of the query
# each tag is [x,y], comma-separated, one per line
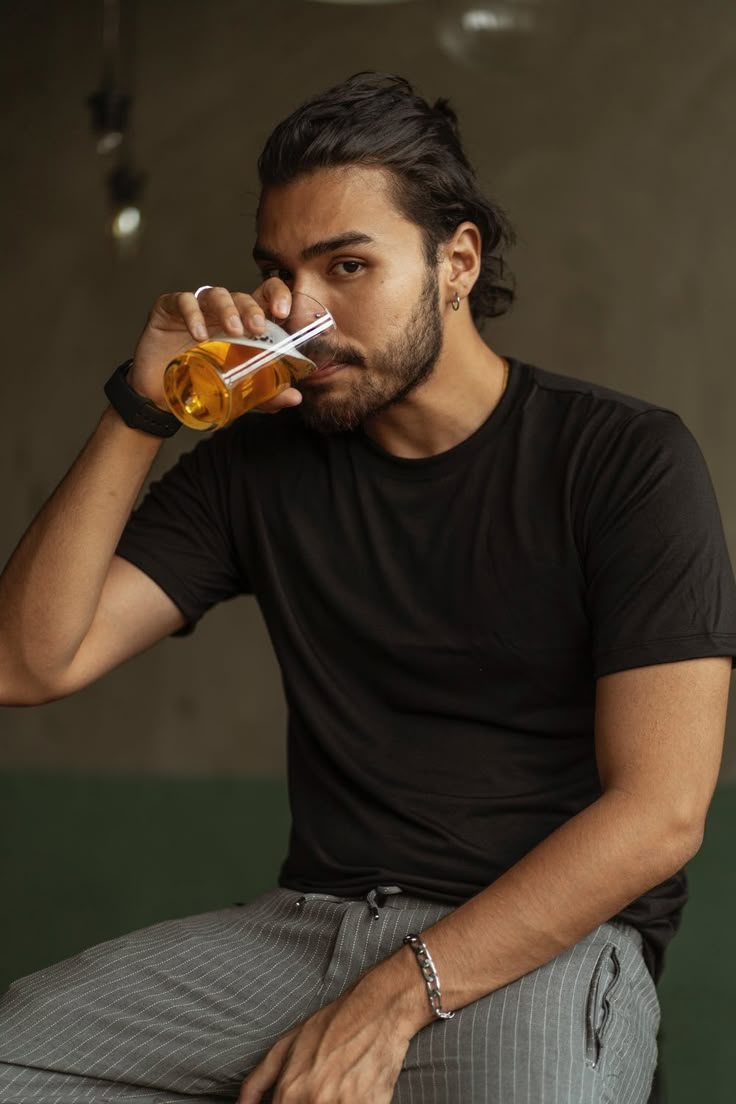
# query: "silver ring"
[204,287]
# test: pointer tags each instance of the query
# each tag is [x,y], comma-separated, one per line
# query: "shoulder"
[604,450]
[569,391]
[586,415]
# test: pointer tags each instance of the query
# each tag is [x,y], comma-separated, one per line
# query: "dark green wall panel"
[86,858]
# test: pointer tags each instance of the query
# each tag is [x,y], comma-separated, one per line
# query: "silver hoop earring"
[456,302]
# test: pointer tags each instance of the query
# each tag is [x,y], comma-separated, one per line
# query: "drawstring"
[382,892]
[375,898]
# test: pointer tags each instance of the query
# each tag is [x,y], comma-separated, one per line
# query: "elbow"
[16,692]
[21,687]
[680,839]
[662,836]
[691,834]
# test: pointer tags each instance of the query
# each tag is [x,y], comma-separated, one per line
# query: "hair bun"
[442,107]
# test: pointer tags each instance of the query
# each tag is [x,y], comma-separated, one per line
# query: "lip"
[326,370]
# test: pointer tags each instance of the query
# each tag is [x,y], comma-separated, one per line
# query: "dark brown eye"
[351,267]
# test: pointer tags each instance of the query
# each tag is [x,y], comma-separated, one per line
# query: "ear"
[461,257]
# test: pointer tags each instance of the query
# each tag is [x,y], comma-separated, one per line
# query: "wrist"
[137,411]
[135,384]
[397,990]
[428,970]
[111,423]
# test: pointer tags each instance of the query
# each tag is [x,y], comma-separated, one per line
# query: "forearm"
[51,586]
[577,878]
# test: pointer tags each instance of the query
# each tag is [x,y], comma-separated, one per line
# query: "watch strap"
[137,412]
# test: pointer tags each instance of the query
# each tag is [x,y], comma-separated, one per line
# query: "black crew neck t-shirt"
[440,623]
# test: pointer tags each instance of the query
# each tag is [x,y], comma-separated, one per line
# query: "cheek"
[372,313]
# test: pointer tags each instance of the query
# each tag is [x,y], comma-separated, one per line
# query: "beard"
[393,374]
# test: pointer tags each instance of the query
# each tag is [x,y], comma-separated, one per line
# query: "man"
[503,607]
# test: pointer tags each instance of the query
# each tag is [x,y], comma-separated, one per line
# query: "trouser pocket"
[598,1007]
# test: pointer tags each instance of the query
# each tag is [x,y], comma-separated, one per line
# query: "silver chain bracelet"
[429,973]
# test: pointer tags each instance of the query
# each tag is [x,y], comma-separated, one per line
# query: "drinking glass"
[216,381]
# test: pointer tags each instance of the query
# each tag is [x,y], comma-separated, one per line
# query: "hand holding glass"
[218,380]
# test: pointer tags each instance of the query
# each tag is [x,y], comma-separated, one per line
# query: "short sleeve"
[181,535]
[659,581]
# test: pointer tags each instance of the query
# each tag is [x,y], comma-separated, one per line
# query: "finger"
[289,397]
[189,310]
[251,312]
[276,297]
[266,1073]
[218,310]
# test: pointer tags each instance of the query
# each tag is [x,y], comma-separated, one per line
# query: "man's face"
[370,271]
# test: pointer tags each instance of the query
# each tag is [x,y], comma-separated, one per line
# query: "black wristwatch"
[137,412]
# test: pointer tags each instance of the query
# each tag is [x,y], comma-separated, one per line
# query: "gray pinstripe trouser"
[183,1010]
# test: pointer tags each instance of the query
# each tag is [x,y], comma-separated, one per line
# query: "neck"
[463,390]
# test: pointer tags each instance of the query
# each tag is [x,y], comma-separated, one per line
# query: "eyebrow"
[318,249]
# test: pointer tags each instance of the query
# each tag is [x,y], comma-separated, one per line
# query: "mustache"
[323,352]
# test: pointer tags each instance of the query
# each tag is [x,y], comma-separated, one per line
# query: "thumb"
[289,397]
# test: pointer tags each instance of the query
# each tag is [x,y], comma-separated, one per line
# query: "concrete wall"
[611,147]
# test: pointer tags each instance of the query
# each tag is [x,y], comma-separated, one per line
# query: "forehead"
[330,202]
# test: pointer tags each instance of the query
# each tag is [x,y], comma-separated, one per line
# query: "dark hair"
[377,119]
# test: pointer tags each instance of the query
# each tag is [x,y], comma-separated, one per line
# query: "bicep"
[659,732]
[133,614]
